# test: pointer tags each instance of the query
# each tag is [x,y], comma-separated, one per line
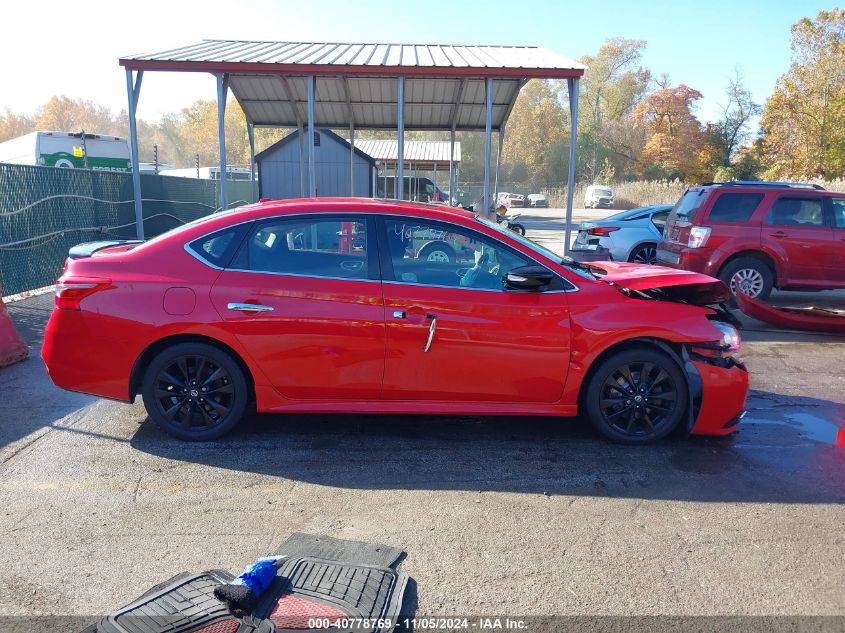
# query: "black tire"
[209,391]
[518,229]
[437,252]
[756,275]
[644,254]
[621,400]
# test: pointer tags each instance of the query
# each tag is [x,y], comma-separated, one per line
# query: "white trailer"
[72,150]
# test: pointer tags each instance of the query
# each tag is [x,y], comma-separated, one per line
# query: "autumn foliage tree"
[535,135]
[804,120]
[675,136]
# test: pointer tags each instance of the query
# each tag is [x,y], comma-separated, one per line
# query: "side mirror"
[531,277]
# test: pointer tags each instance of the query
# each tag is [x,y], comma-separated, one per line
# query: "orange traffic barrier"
[12,346]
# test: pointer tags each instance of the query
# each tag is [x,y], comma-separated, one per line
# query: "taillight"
[70,291]
[602,230]
[698,236]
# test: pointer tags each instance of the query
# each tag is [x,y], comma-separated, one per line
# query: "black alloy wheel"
[195,391]
[644,254]
[637,397]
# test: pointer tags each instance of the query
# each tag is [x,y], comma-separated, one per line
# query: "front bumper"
[721,403]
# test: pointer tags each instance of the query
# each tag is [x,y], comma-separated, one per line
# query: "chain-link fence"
[46,210]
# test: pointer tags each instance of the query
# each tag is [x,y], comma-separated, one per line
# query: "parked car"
[259,307]
[629,236]
[510,199]
[759,236]
[537,200]
[598,196]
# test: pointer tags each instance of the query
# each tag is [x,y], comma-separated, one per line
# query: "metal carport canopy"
[361,86]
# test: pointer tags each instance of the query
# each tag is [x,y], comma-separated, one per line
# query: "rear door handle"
[249,307]
[431,328]
[779,234]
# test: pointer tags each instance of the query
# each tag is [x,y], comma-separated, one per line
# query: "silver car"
[629,236]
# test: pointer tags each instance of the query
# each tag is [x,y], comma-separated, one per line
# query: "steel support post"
[222,95]
[312,175]
[400,141]
[133,91]
[572,87]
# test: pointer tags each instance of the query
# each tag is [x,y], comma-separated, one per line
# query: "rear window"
[218,248]
[686,208]
[735,207]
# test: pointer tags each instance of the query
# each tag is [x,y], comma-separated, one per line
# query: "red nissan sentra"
[352,305]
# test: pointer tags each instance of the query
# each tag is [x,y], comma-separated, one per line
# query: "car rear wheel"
[637,396]
[752,275]
[437,252]
[644,254]
[195,391]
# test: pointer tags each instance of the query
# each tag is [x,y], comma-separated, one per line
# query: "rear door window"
[839,213]
[735,207]
[326,247]
[795,211]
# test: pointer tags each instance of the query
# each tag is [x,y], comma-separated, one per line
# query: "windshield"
[602,191]
[582,270]
[534,246]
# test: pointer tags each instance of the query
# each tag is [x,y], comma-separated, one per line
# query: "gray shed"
[279,174]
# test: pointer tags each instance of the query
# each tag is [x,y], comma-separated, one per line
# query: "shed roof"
[357,83]
[414,151]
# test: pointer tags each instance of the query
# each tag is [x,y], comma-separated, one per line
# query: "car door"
[453,332]
[303,296]
[795,229]
[837,207]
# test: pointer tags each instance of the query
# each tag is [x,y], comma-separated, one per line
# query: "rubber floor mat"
[300,545]
[316,593]
[186,604]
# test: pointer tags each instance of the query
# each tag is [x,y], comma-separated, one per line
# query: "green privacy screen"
[46,210]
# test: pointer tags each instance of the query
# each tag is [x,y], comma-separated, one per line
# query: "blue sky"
[72,48]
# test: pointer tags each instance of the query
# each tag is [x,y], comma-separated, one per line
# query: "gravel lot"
[506,516]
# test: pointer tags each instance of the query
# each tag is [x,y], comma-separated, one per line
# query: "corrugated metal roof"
[488,60]
[415,151]
[357,83]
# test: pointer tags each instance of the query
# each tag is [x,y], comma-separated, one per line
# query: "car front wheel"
[195,392]
[637,396]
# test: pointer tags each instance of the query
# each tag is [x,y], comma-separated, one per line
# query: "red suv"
[759,235]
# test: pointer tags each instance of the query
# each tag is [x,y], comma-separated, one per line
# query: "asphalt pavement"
[499,516]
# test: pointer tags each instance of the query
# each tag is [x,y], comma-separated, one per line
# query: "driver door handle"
[431,328]
[249,307]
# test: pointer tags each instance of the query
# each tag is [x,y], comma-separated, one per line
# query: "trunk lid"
[89,249]
[661,282]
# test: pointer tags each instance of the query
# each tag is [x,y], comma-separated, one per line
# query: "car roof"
[763,186]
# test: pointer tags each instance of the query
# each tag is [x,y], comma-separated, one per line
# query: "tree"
[675,138]
[612,85]
[535,133]
[74,115]
[804,120]
[732,131]
[14,125]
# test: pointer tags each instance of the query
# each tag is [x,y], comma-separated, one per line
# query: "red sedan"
[350,305]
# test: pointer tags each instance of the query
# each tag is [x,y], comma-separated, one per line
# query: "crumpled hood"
[670,283]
